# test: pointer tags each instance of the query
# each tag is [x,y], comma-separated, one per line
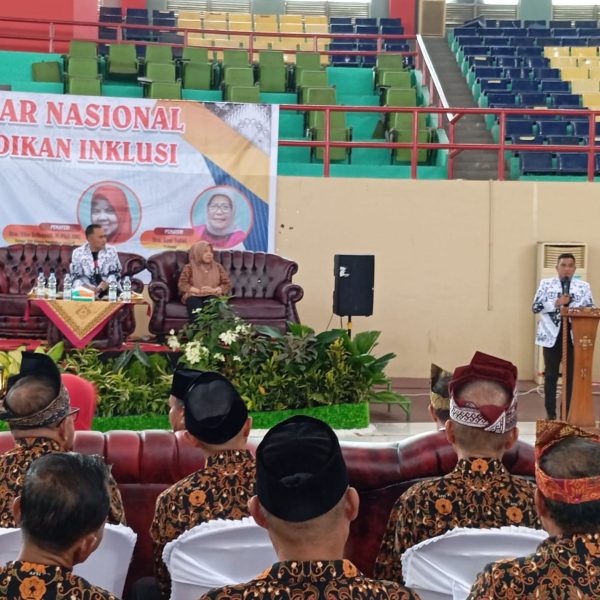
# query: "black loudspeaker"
[354,281]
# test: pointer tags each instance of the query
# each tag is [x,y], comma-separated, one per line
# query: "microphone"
[565,284]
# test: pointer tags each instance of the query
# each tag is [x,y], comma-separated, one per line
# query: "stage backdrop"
[155,174]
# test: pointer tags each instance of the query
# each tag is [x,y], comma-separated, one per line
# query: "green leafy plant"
[135,383]
[275,370]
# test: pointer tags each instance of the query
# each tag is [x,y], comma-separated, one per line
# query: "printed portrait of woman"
[113,206]
[222,216]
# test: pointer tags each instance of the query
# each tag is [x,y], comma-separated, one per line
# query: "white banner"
[155,174]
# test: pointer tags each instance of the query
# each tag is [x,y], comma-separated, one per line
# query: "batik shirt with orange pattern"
[30,581]
[14,465]
[219,491]
[477,493]
[566,567]
[312,580]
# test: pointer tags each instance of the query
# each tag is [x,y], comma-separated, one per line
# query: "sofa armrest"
[288,293]
[159,292]
[3,280]
[134,264]
[137,285]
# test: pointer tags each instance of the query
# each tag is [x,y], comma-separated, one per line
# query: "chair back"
[215,554]
[108,565]
[10,544]
[446,566]
[83,395]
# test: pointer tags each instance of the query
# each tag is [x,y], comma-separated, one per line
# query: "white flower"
[228,337]
[173,343]
[218,356]
[195,352]
[172,332]
[242,328]
[236,358]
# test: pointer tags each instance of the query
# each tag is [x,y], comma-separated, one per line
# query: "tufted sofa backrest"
[253,274]
[145,463]
[20,264]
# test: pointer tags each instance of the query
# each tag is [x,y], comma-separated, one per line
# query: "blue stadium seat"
[469,40]
[516,73]
[517,32]
[563,32]
[592,32]
[565,100]
[341,28]
[535,62]
[557,24]
[397,46]
[572,163]
[509,23]
[489,84]
[575,41]
[164,21]
[547,41]
[531,99]
[366,21]
[367,29]
[581,127]
[525,139]
[395,22]
[391,30]
[534,23]
[536,32]
[518,42]
[524,85]
[137,12]
[475,50]
[509,61]
[546,73]
[586,24]
[554,85]
[368,45]
[494,41]
[551,126]
[340,20]
[502,51]
[110,10]
[537,163]
[563,140]
[111,17]
[519,127]
[530,51]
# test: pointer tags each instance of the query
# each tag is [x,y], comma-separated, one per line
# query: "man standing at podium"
[552,294]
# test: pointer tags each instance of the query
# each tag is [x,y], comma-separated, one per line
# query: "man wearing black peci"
[553,293]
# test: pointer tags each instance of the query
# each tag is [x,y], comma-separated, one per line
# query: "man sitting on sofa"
[304,501]
[62,510]
[95,265]
[479,492]
[216,420]
[567,564]
[38,411]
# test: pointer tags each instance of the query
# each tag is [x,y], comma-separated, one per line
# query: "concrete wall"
[455,261]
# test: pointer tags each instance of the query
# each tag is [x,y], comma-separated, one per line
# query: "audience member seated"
[216,420]
[40,417]
[62,510]
[202,279]
[95,265]
[182,380]
[479,492]
[305,502]
[439,398]
[567,564]
[83,396]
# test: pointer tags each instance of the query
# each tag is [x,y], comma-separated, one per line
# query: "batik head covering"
[484,367]
[300,470]
[439,395]
[214,411]
[34,364]
[569,491]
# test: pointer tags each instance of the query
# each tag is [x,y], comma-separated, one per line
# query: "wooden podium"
[584,323]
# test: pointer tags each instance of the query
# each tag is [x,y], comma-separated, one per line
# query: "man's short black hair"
[565,255]
[64,497]
[89,230]
[573,458]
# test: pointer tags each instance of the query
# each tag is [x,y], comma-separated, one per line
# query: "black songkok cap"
[182,380]
[300,470]
[40,365]
[214,410]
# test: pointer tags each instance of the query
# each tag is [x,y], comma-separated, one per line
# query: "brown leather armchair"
[262,288]
[19,267]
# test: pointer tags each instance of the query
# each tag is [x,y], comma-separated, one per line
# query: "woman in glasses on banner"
[202,278]
[220,228]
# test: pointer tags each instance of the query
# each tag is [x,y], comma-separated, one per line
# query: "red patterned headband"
[569,491]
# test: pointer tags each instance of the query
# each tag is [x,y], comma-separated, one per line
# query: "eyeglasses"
[73,413]
[221,207]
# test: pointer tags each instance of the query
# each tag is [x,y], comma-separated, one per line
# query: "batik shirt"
[14,465]
[82,265]
[477,493]
[29,581]
[560,568]
[545,304]
[219,491]
[312,580]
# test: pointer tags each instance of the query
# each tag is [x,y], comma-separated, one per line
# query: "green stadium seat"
[159,54]
[339,132]
[83,49]
[243,93]
[160,72]
[84,86]
[121,61]
[197,76]
[82,67]
[235,58]
[387,62]
[318,96]
[162,90]
[401,97]
[310,79]
[194,54]
[49,71]
[272,72]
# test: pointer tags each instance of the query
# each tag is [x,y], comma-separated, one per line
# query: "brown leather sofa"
[147,462]
[262,288]
[19,267]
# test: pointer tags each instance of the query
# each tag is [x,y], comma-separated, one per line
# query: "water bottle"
[112,291]
[67,287]
[40,285]
[126,289]
[52,286]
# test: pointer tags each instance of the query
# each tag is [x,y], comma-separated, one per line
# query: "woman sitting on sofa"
[202,278]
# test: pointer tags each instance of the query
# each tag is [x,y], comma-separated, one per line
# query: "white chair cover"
[107,566]
[445,567]
[217,553]
[10,544]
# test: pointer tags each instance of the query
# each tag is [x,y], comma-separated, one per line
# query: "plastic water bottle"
[112,291]
[126,289]
[40,285]
[52,286]
[67,287]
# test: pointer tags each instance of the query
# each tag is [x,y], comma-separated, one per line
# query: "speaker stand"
[349,326]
